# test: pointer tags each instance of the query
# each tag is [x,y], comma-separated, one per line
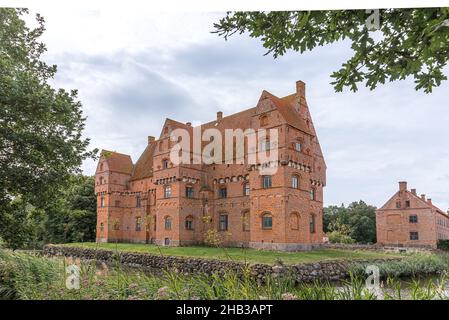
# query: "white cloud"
[135,67]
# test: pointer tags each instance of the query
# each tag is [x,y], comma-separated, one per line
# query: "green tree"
[69,217]
[409,42]
[357,221]
[41,143]
[18,229]
[72,216]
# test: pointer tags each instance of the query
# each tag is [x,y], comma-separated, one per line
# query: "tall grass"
[413,265]
[29,277]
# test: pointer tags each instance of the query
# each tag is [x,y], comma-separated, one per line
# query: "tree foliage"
[69,217]
[41,141]
[357,221]
[409,42]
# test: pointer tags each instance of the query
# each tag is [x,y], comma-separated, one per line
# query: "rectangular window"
[223,222]
[165,164]
[167,192]
[266,182]
[313,194]
[138,224]
[295,183]
[413,219]
[167,224]
[298,146]
[312,223]
[102,202]
[189,192]
[246,189]
[138,202]
[265,145]
[267,222]
[398,204]
[223,193]
[189,224]
[407,204]
[414,235]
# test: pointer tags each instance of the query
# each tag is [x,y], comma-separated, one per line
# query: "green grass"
[24,276]
[238,254]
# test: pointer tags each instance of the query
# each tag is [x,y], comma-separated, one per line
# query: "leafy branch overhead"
[408,42]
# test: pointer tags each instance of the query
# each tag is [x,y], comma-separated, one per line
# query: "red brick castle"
[156,201]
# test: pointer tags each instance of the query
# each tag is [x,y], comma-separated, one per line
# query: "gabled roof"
[144,166]
[291,116]
[424,202]
[118,162]
[173,123]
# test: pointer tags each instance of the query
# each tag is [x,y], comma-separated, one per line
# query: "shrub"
[410,266]
[339,237]
[443,244]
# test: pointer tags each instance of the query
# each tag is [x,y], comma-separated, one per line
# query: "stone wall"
[307,272]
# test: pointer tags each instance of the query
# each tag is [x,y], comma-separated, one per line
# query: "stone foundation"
[326,270]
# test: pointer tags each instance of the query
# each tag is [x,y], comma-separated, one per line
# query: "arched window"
[167,191]
[167,223]
[102,202]
[295,182]
[246,189]
[267,221]
[101,167]
[312,223]
[245,221]
[138,201]
[138,224]
[101,180]
[189,223]
[102,227]
[294,221]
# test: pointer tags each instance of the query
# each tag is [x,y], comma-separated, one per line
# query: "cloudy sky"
[133,68]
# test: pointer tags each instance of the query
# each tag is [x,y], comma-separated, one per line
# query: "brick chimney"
[423,197]
[150,139]
[219,116]
[301,88]
[402,186]
[413,191]
[429,201]
[189,124]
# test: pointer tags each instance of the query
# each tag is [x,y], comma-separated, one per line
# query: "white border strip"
[225,5]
